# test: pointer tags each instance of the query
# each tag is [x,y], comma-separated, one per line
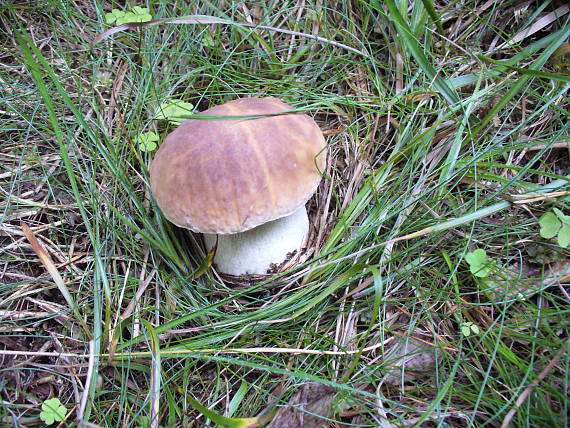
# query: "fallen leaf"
[307,408]
[516,282]
[410,359]
[560,58]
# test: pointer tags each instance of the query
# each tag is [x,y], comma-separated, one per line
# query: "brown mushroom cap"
[231,175]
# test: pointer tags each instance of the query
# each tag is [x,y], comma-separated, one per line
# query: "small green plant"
[52,410]
[560,59]
[555,223]
[175,111]
[136,14]
[208,40]
[468,328]
[478,263]
[102,79]
[147,142]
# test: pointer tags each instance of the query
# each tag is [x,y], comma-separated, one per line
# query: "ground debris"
[409,359]
[307,408]
[521,281]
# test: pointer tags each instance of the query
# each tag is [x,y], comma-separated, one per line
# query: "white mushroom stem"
[254,251]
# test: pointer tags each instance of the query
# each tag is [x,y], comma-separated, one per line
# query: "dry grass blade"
[534,197]
[530,388]
[537,26]
[228,351]
[127,313]
[52,270]
[85,396]
[193,20]
[155,376]
[476,215]
[454,222]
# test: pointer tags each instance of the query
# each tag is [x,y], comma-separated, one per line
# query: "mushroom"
[242,182]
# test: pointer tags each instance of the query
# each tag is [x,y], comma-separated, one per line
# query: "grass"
[443,137]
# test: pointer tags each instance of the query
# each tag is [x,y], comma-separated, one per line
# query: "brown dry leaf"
[307,408]
[409,358]
[522,282]
[560,59]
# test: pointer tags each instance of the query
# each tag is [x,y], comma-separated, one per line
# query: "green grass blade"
[429,5]
[529,71]
[517,87]
[417,52]
[36,70]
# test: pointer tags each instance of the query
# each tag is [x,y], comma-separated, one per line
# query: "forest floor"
[434,289]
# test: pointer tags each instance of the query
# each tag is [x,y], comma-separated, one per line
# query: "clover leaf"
[564,236]
[478,263]
[114,16]
[52,410]
[175,111]
[208,40]
[549,225]
[563,218]
[468,328]
[142,12]
[147,141]
[555,223]
[136,14]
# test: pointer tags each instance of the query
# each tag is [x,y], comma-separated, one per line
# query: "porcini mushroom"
[242,182]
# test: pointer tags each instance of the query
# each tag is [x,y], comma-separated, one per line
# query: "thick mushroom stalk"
[256,250]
